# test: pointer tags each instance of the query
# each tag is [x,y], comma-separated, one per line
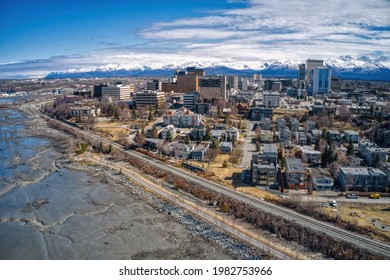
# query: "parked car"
[375,195]
[333,203]
[352,196]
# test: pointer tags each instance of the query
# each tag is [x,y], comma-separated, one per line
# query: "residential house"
[301,138]
[311,125]
[383,137]
[284,134]
[314,135]
[242,108]
[265,123]
[164,132]
[371,152]
[351,135]
[198,132]
[269,153]
[321,180]
[217,134]
[266,136]
[363,179]
[199,153]
[334,135]
[233,134]
[182,151]
[153,143]
[280,122]
[226,147]
[309,155]
[295,174]
[182,118]
[257,114]
[288,150]
[294,124]
[263,173]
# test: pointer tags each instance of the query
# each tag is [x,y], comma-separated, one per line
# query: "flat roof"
[295,165]
[270,148]
[365,171]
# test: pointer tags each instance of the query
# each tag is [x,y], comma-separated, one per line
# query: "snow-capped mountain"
[345,67]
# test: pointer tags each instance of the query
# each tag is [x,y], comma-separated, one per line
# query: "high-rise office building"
[232,82]
[245,84]
[154,85]
[98,90]
[320,81]
[117,92]
[301,76]
[147,98]
[212,89]
[257,77]
[189,100]
[312,64]
[301,71]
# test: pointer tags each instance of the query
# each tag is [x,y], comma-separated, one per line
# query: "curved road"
[327,228]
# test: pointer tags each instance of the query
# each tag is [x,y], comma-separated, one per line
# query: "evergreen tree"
[207,137]
[169,136]
[257,146]
[283,162]
[150,113]
[325,157]
[110,149]
[187,140]
[214,144]
[350,148]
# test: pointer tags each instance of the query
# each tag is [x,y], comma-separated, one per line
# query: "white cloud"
[259,31]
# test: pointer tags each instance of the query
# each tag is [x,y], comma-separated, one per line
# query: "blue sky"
[42,36]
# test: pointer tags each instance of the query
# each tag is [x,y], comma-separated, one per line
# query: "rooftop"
[364,171]
[270,149]
[295,165]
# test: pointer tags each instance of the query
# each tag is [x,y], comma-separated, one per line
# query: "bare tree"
[345,114]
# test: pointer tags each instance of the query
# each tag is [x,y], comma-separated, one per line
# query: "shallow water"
[67,214]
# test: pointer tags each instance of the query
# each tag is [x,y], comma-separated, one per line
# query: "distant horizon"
[50,36]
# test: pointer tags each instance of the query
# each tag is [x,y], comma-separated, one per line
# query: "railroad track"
[327,228]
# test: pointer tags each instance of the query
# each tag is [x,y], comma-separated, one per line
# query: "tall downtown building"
[320,81]
[312,64]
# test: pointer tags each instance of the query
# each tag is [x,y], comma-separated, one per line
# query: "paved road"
[248,147]
[330,229]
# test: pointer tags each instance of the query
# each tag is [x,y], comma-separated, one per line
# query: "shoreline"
[60,141]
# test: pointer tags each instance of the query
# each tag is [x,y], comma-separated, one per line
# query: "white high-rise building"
[117,92]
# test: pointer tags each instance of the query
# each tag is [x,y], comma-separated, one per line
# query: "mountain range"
[345,67]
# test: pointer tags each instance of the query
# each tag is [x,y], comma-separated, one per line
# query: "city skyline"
[43,37]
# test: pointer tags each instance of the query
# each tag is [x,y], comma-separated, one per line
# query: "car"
[333,203]
[375,195]
[352,196]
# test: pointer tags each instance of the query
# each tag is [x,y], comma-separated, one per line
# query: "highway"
[288,214]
